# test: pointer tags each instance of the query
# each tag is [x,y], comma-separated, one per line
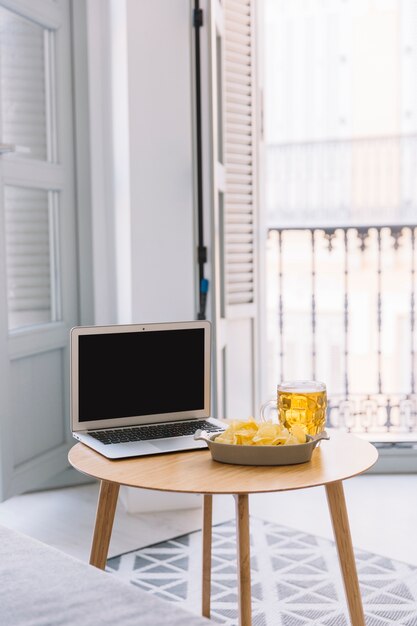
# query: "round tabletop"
[342,456]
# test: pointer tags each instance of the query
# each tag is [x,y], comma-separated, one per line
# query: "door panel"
[36,428]
[38,263]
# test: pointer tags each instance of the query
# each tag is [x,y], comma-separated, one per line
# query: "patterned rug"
[296,578]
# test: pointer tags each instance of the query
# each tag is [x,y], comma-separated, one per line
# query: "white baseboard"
[69,477]
[147,501]
[399,459]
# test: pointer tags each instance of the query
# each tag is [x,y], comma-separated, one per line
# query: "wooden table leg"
[341,530]
[243,559]
[207,534]
[106,509]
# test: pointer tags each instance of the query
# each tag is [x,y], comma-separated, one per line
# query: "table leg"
[243,559]
[341,530]
[207,534]
[106,508]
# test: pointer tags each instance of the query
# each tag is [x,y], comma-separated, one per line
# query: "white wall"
[142,165]
[161,160]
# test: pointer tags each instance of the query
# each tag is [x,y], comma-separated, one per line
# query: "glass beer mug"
[299,402]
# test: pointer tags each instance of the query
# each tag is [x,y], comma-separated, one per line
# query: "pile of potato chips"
[252,433]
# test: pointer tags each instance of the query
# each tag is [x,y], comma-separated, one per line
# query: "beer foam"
[300,386]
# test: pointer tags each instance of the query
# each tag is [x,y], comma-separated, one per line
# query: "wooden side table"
[342,457]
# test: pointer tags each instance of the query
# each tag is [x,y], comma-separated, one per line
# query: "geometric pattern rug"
[295,576]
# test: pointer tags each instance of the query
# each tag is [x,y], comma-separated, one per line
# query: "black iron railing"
[344,308]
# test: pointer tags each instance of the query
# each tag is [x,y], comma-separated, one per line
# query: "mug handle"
[266,409]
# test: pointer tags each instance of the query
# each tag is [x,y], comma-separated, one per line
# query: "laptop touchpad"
[168,445]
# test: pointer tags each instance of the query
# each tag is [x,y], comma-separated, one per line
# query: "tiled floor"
[382,511]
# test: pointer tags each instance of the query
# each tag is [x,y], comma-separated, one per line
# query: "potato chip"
[250,424]
[291,440]
[248,432]
[251,433]
[244,440]
[267,430]
[226,437]
[299,431]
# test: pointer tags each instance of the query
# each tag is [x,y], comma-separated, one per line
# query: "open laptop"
[139,389]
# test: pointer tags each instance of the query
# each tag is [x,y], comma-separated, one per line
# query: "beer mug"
[298,402]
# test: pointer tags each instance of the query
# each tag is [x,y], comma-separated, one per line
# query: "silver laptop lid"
[132,374]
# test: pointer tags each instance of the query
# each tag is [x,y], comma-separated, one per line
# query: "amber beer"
[302,402]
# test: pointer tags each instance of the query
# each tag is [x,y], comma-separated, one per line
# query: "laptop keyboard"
[155,431]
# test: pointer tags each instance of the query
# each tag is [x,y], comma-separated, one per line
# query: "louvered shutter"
[234,195]
[239,153]
[28,253]
[23,47]
[27,126]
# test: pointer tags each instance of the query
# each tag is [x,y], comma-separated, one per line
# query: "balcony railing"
[342,309]
[342,294]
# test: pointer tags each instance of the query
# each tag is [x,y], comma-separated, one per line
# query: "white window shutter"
[239,153]
[23,49]
[234,137]
[28,250]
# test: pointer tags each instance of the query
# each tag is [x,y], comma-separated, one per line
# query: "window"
[27,123]
[341,129]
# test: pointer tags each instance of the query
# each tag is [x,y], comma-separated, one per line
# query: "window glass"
[24,111]
[31,260]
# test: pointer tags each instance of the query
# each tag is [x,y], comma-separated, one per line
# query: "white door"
[235,205]
[38,267]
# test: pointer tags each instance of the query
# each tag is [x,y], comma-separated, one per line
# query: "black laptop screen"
[140,373]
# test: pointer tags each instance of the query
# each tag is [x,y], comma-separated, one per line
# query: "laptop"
[140,389]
